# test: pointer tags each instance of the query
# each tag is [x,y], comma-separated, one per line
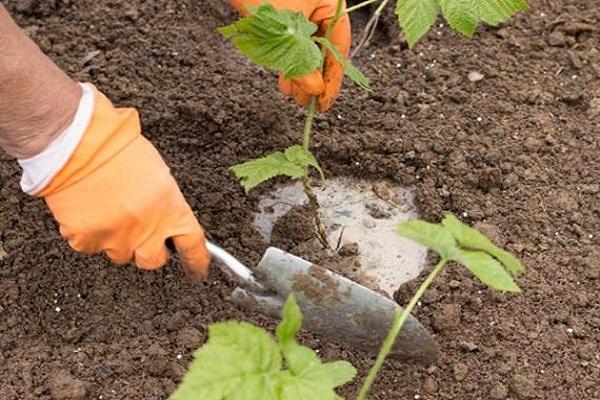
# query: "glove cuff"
[40,169]
[107,132]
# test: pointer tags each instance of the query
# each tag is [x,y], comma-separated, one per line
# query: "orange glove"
[326,86]
[115,194]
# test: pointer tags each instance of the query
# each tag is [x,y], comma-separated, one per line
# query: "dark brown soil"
[516,153]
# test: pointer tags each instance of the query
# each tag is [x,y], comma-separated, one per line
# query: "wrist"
[39,170]
[37,116]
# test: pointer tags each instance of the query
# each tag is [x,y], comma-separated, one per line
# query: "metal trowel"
[333,306]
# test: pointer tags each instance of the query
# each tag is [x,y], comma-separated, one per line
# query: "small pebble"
[475,76]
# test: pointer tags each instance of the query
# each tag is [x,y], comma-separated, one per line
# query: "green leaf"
[462,15]
[291,321]
[433,236]
[318,383]
[239,358]
[300,156]
[331,374]
[291,163]
[293,388]
[416,17]
[243,362]
[357,76]
[471,238]
[494,12]
[277,39]
[303,361]
[487,269]
[349,69]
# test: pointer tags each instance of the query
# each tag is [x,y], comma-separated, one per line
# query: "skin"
[37,99]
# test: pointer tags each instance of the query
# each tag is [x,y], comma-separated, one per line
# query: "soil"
[515,152]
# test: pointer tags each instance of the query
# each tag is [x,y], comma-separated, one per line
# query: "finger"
[289,88]
[120,256]
[311,83]
[194,255]
[333,72]
[334,76]
[240,5]
[286,86]
[152,254]
[79,243]
[301,96]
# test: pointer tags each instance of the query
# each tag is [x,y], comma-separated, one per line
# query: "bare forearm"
[37,99]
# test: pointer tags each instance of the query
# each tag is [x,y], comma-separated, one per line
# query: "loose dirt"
[516,151]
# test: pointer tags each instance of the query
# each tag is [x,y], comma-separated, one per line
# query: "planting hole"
[368,213]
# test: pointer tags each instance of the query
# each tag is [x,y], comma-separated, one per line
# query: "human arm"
[37,99]
[106,185]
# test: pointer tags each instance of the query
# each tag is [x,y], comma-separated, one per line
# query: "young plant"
[284,41]
[242,361]
[457,242]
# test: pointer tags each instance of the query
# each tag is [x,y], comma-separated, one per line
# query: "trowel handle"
[234,268]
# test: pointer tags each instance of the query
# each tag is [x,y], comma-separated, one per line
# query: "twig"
[370,29]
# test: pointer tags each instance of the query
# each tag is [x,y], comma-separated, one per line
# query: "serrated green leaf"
[243,362]
[495,12]
[254,172]
[331,374]
[317,382]
[303,361]
[470,238]
[294,388]
[433,236]
[239,358]
[277,39]
[462,15]
[298,358]
[291,321]
[291,163]
[416,17]
[357,76]
[487,269]
[349,69]
[300,156]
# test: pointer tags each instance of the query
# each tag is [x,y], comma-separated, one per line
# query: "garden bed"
[515,154]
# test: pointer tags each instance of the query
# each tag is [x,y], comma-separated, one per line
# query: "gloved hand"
[326,86]
[114,193]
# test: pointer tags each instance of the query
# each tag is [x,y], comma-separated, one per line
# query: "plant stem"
[313,203]
[360,5]
[310,116]
[308,122]
[399,320]
[370,27]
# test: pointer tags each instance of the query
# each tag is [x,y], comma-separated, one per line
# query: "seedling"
[284,41]
[242,361]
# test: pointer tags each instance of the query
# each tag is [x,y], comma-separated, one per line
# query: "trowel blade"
[335,307]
